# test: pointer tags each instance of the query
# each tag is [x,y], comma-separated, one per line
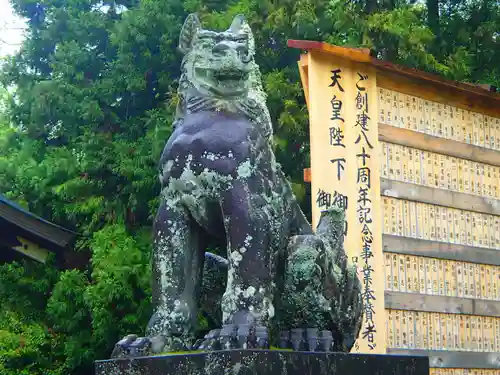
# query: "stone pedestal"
[266,362]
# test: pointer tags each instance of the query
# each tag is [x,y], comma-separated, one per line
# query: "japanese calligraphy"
[325,200]
[336,108]
[364,176]
[340,200]
[363,157]
[361,78]
[336,128]
[364,209]
[362,122]
[335,79]
[361,100]
[340,166]
[336,136]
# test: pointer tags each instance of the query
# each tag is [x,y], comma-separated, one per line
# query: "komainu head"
[217,63]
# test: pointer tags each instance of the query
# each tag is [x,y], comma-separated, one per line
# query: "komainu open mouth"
[230,75]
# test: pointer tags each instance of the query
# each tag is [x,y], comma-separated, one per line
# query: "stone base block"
[266,362]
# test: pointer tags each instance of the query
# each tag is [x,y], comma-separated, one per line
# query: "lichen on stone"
[221,181]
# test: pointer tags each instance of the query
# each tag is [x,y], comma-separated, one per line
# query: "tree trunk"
[371,6]
[433,23]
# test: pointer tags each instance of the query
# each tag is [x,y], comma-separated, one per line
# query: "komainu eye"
[244,54]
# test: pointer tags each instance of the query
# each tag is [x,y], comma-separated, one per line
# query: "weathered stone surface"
[263,362]
[221,183]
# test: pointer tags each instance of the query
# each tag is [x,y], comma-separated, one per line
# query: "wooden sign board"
[415,161]
[344,147]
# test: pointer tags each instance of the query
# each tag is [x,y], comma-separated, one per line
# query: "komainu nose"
[221,49]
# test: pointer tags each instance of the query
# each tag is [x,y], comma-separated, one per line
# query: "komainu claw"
[211,341]
[227,336]
[308,339]
[131,346]
[297,339]
[140,347]
[157,344]
[261,338]
[242,335]
[233,336]
[312,339]
[284,342]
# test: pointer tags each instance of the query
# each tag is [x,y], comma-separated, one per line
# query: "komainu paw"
[233,336]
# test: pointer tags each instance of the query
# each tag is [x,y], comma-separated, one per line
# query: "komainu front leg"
[321,304]
[247,304]
[177,268]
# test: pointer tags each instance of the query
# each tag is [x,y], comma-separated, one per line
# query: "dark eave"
[38,227]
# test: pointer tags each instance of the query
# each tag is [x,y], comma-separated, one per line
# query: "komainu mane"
[281,284]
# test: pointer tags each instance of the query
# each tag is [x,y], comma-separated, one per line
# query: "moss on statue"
[220,181]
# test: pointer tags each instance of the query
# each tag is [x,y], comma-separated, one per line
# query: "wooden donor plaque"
[414,160]
[345,172]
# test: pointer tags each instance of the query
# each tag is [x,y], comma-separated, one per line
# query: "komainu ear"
[240,25]
[189,30]
[237,24]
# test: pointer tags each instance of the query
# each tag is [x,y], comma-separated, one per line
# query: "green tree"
[95,95]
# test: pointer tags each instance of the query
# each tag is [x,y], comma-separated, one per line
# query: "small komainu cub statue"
[281,284]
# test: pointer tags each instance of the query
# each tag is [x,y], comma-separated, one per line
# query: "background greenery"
[93,90]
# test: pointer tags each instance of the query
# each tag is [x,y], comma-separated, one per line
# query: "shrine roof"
[61,238]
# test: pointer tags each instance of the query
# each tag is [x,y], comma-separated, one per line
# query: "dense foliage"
[92,96]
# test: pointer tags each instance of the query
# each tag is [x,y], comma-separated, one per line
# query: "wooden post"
[342,102]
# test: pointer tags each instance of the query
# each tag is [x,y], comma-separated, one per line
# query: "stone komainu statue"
[220,182]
